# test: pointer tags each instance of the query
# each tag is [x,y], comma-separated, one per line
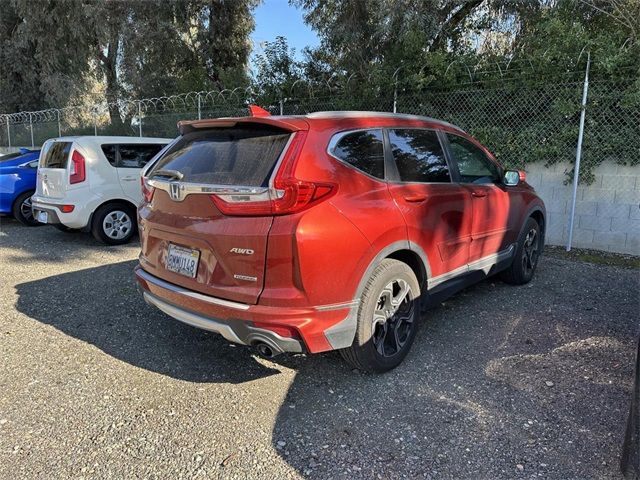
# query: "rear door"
[493,218]
[223,255]
[53,175]
[130,159]
[437,212]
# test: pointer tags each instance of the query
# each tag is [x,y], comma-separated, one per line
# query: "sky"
[277,17]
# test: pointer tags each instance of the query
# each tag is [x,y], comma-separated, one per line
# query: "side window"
[364,150]
[109,151]
[137,155]
[419,156]
[473,164]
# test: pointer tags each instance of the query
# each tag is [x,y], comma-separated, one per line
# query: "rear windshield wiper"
[168,173]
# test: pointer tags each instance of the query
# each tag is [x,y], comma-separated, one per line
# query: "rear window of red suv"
[226,156]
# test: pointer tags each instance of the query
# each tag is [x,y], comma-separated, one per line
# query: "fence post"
[281,107]
[576,168]
[31,128]
[199,110]
[139,118]
[8,131]
[95,123]
[395,98]
[395,88]
[59,129]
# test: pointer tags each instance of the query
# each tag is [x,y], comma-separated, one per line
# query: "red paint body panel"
[306,262]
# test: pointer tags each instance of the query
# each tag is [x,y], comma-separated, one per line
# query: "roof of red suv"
[333,119]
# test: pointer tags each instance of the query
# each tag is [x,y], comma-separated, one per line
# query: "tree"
[45,54]
[52,50]
[276,71]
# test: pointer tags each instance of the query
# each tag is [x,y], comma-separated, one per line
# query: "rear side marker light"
[67,208]
[77,173]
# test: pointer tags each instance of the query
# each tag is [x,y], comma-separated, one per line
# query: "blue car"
[17,183]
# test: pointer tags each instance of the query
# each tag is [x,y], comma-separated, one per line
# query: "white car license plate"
[43,217]
[182,260]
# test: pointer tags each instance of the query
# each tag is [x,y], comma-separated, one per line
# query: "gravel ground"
[502,382]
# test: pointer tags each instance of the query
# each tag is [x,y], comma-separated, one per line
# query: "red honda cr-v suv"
[329,230]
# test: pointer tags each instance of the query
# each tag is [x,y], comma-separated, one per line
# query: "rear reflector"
[282,330]
[67,208]
[77,173]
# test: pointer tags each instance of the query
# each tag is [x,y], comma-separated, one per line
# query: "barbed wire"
[468,73]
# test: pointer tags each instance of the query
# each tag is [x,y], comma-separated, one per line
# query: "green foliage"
[53,54]
[276,71]
[42,59]
[508,71]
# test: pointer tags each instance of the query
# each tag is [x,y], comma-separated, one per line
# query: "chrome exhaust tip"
[266,351]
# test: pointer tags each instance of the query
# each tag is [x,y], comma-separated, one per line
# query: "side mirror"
[513,178]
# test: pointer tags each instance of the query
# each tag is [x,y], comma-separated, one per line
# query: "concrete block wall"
[607,211]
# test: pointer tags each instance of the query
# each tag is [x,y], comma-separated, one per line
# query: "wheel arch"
[539,215]
[18,195]
[341,335]
[129,203]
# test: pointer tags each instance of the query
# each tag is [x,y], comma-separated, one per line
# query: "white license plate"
[182,260]
[42,217]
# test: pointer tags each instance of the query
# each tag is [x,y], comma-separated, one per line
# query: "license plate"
[182,260]
[42,217]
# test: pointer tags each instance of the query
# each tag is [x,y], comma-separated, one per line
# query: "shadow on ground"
[23,244]
[102,306]
[501,381]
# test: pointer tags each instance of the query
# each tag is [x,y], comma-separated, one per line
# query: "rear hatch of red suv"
[208,206]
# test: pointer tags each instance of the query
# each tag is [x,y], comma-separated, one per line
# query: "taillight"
[77,173]
[288,195]
[147,190]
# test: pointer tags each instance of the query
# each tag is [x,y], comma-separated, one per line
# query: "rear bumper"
[234,331]
[237,321]
[76,219]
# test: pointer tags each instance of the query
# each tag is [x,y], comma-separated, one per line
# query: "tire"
[22,210]
[527,255]
[64,228]
[114,224]
[373,350]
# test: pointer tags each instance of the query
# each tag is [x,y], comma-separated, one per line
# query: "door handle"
[129,179]
[479,194]
[415,198]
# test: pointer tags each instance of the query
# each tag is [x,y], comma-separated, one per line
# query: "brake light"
[147,190]
[77,173]
[288,195]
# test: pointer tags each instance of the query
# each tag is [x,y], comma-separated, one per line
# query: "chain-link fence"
[533,127]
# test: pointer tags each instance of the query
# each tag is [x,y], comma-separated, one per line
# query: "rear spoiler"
[258,116]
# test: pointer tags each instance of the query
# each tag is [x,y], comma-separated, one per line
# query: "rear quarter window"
[110,151]
[243,156]
[55,155]
[362,149]
[137,155]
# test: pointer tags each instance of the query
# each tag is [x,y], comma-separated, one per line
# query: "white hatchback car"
[93,184]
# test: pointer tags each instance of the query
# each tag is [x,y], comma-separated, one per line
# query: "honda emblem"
[174,191]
